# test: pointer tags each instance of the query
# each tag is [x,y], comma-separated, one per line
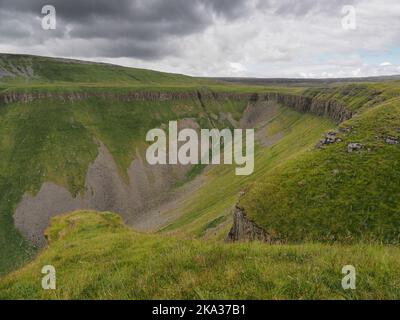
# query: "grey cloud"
[144,24]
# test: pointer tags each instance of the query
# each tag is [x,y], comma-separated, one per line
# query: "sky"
[216,38]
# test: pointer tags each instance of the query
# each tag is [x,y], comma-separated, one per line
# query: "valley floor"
[97,257]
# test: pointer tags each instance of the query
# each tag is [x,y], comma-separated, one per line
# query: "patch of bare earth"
[258,116]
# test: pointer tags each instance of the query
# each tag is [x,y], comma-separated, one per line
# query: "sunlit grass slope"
[97,257]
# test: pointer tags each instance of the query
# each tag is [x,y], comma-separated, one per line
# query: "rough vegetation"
[97,257]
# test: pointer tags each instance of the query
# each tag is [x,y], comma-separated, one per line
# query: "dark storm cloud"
[74,10]
[132,28]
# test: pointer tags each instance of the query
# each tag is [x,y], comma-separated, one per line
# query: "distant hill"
[23,68]
[305,82]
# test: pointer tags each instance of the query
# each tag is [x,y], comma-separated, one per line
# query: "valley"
[73,139]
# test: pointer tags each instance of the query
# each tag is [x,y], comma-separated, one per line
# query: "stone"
[354,147]
[391,140]
[346,129]
[330,137]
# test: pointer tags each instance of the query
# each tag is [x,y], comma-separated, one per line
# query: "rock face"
[301,103]
[325,108]
[244,229]
[10,97]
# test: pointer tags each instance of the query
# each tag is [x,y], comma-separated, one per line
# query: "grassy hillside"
[356,96]
[332,194]
[24,68]
[97,257]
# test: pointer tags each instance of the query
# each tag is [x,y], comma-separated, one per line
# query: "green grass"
[24,68]
[35,74]
[333,195]
[357,95]
[97,257]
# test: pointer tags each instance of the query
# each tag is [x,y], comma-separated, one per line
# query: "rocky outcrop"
[244,229]
[325,108]
[23,97]
[329,138]
[10,97]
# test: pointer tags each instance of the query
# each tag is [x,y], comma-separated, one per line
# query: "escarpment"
[302,103]
[324,108]
[321,107]
[22,97]
[11,97]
